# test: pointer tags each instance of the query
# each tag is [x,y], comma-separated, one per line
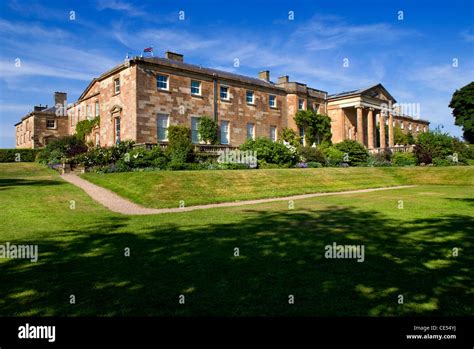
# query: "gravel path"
[118,204]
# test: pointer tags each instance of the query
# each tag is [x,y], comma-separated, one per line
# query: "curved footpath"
[118,204]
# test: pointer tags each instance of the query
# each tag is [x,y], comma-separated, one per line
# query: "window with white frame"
[315,106]
[224,91]
[117,85]
[225,132]
[162,82]
[409,126]
[97,139]
[117,130]
[300,104]
[162,127]
[97,109]
[195,87]
[402,125]
[50,123]
[273,133]
[424,129]
[195,129]
[272,101]
[250,98]
[417,128]
[250,131]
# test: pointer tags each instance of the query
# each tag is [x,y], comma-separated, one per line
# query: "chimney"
[174,56]
[264,75]
[39,107]
[60,98]
[283,79]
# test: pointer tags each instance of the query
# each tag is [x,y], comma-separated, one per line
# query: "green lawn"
[407,251]
[167,188]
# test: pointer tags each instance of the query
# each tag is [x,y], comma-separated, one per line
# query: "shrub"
[311,154]
[334,156]
[208,129]
[180,148]
[404,159]
[61,149]
[377,161]
[289,135]
[442,162]
[431,145]
[314,164]
[20,155]
[356,152]
[269,152]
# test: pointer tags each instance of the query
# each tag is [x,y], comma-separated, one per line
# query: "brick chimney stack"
[174,56]
[60,98]
[264,75]
[283,79]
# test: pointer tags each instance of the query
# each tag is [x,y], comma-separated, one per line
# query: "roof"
[360,91]
[208,71]
[47,111]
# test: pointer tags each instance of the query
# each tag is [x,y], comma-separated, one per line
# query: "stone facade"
[139,99]
[43,124]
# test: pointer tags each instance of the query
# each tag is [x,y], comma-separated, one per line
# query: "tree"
[208,129]
[399,137]
[317,127]
[462,104]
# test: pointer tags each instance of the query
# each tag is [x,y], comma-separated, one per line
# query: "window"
[302,136]
[250,131]
[402,125]
[97,110]
[250,97]
[224,132]
[300,104]
[117,130]
[417,128]
[162,124]
[162,82]
[50,123]
[316,107]
[424,129]
[394,123]
[194,129]
[273,133]
[225,93]
[272,101]
[195,87]
[88,111]
[97,139]
[117,85]
[409,126]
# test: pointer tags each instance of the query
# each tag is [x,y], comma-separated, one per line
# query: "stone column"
[382,130]
[342,115]
[370,129]
[360,125]
[390,129]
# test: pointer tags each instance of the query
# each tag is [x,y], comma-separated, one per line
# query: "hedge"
[18,155]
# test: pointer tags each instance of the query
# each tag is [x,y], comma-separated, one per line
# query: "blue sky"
[412,58]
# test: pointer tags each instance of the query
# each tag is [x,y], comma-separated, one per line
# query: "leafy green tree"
[399,137]
[430,145]
[180,148]
[84,127]
[462,104]
[208,129]
[317,127]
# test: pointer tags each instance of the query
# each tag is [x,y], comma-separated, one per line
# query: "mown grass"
[168,188]
[408,251]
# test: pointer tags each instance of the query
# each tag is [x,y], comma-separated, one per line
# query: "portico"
[365,115]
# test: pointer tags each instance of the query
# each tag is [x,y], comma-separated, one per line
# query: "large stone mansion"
[138,99]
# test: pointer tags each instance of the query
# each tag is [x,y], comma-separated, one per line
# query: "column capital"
[360,106]
[371,108]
